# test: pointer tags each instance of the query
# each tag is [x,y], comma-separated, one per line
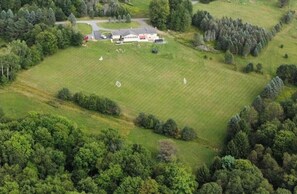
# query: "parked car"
[103,36]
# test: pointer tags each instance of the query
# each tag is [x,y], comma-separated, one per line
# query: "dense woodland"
[49,154]
[63,8]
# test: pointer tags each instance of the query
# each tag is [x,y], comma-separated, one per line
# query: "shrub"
[64,94]
[188,134]
[249,68]
[167,151]
[155,50]
[281,46]
[286,56]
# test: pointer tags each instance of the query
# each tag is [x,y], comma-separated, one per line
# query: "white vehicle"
[103,36]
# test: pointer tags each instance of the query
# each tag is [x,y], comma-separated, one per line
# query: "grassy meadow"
[85,29]
[118,25]
[151,83]
[138,8]
[260,12]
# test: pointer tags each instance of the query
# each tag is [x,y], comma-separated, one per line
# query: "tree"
[130,185]
[203,175]
[229,58]
[259,68]
[210,187]
[128,18]
[48,42]
[112,139]
[178,179]
[198,39]
[51,17]
[249,68]
[72,19]
[188,134]
[167,151]
[283,3]
[159,12]
[272,111]
[170,128]
[149,186]
[64,94]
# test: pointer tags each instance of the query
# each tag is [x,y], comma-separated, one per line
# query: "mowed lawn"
[153,83]
[138,8]
[118,25]
[85,29]
[258,12]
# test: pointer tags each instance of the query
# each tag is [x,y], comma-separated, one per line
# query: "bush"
[64,94]
[155,50]
[188,134]
[259,68]
[281,46]
[286,56]
[249,68]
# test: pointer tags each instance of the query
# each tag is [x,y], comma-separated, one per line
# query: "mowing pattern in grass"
[261,12]
[139,8]
[85,29]
[17,105]
[152,83]
[118,25]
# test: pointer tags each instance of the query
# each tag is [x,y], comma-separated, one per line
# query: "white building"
[136,35]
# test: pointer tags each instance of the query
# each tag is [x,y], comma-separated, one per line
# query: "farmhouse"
[136,35]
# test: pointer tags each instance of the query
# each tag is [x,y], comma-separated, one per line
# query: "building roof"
[135,31]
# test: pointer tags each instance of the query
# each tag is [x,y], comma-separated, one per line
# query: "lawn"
[85,29]
[260,12]
[138,8]
[152,83]
[118,25]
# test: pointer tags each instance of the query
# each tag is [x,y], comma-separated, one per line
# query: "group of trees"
[169,128]
[250,68]
[49,154]
[32,36]
[62,9]
[172,14]
[261,146]
[119,18]
[283,3]
[92,102]
[288,73]
[233,35]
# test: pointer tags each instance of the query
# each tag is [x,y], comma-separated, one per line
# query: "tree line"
[31,36]
[91,102]
[50,154]
[63,8]
[169,128]
[235,35]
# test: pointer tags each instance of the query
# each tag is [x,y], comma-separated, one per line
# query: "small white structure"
[101,58]
[118,84]
[136,35]
[185,81]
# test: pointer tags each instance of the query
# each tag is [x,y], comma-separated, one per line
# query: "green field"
[138,8]
[150,83]
[85,29]
[260,12]
[118,25]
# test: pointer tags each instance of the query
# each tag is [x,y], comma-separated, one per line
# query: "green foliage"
[64,94]
[210,187]
[283,3]
[188,134]
[72,19]
[159,12]
[48,42]
[287,73]
[249,68]
[96,103]
[273,88]
[229,58]
[167,151]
